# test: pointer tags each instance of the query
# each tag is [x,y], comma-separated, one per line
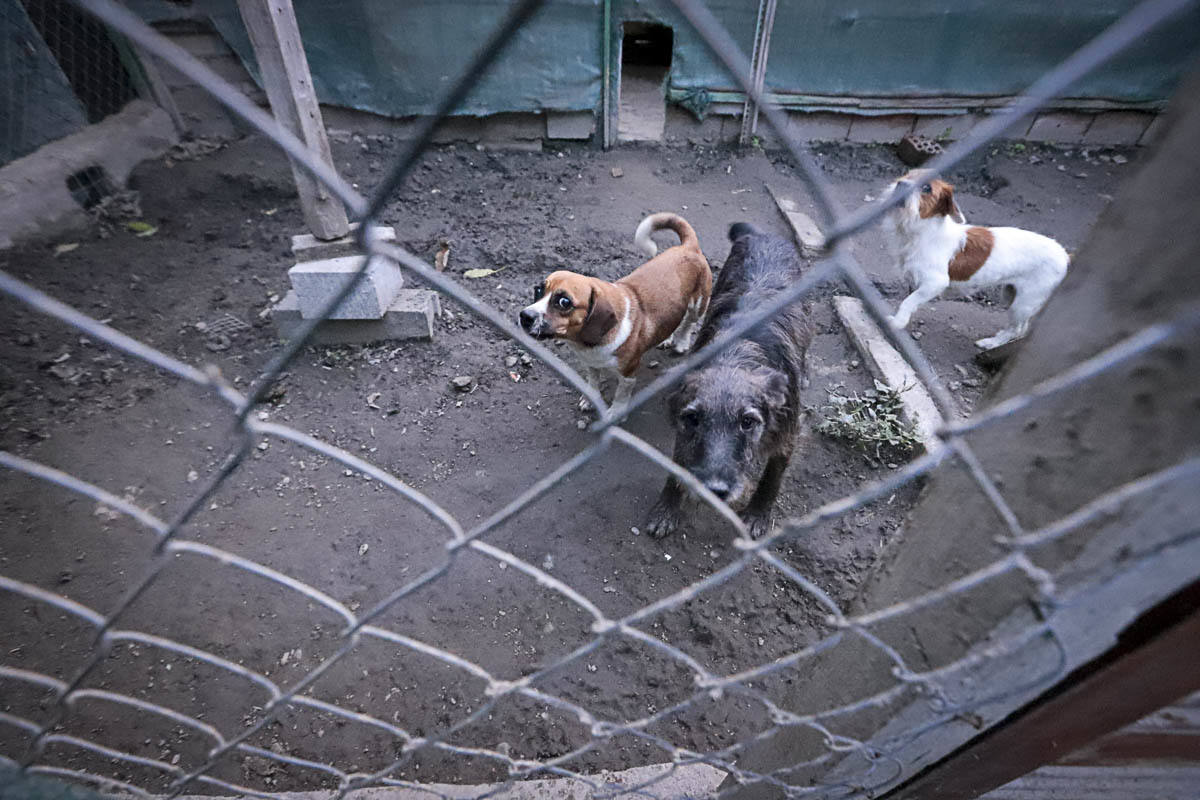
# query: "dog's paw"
[667,344]
[757,525]
[662,521]
[585,405]
[680,348]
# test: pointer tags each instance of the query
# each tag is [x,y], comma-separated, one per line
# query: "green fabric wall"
[395,58]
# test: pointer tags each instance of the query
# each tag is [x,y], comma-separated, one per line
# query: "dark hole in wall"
[89,186]
[646,44]
[86,54]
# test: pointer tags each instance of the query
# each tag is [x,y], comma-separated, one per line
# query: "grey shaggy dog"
[736,418]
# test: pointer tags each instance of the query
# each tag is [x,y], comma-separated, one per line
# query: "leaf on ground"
[371,398]
[65,247]
[480,273]
[141,229]
[442,258]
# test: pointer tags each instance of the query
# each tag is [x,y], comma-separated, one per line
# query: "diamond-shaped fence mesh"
[841,765]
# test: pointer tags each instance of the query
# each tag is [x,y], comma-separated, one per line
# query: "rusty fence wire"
[361,626]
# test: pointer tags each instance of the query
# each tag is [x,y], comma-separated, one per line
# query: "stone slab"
[819,126]
[951,127]
[890,367]
[807,232]
[513,126]
[578,125]
[886,128]
[1118,127]
[1059,126]
[410,316]
[316,282]
[306,247]
[1154,131]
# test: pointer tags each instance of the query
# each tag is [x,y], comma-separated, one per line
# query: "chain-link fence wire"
[62,71]
[882,764]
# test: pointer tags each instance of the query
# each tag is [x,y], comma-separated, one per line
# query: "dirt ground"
[221,248]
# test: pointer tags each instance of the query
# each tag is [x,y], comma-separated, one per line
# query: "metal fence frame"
[840,265]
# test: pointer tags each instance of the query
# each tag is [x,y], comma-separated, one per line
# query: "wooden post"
[275,37]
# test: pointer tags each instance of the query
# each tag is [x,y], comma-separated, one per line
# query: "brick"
[306,247]
[1118,127]
[1059,126]
[818,126]
[889,128]
[410,316]
[510,127]
[950,127]
[578,125]
[316,282]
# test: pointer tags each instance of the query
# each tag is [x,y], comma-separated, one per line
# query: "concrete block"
[514,126]
[315,282]
[807,233]
[354,121]
[887,128]
[306,247]
[818,126]
[410,316]
[952,127]
[890,367]
[459,129]
[1153,131]
[1118,127]
[578,125]
[1059,126]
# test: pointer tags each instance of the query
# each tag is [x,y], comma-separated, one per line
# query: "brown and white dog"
[611,325]
[937,248]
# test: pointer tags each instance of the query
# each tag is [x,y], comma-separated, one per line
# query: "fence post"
[275,37]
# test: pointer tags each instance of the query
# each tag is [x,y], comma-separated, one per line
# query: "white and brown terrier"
[611,325]
[937,249]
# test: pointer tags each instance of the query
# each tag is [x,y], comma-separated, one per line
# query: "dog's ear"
[600,319]
[946,205]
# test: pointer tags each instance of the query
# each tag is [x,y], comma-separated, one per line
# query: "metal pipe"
[606,122]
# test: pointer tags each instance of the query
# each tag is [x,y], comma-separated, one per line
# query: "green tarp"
[395,58]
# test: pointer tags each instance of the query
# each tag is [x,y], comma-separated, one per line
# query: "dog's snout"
[718,487]
[528,318]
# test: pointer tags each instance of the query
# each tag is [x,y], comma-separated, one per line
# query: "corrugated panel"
[1103,783]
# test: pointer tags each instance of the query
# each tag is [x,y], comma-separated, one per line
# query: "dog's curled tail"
[662,221]
[739,229]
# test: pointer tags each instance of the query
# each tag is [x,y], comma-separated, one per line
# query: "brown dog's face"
[933,197]
[567,306]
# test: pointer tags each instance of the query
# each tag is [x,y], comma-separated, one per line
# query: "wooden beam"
[283,66]
[1135,681]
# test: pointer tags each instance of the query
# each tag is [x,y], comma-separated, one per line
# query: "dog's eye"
[748,422]
[563,302]
[538,291]
[690,417]
[926,188]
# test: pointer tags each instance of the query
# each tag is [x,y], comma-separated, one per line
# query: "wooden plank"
[1140,678]
[890,367]
[275,37]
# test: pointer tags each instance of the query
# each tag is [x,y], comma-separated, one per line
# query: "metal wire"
[881,760]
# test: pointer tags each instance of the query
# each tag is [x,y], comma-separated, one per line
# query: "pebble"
[635,531]
[617,172]
[462,382]
[1120,159]
[581,424]
[510,361]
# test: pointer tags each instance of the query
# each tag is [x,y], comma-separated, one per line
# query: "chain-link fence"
[844,765]
[63,71]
